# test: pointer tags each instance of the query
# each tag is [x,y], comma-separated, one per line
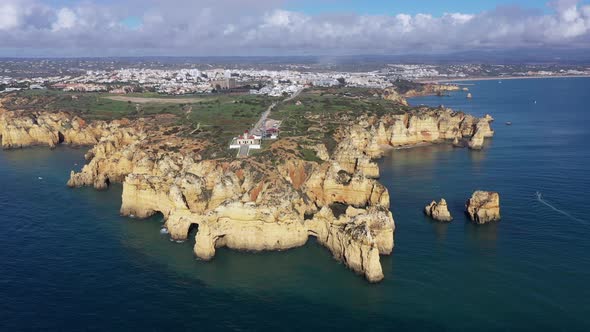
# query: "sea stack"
[483,207]
[438,211]
[476,141]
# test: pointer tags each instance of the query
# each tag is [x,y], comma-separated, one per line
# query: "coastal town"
[274,81]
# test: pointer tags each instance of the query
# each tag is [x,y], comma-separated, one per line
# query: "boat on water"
[508,123]
[469,96]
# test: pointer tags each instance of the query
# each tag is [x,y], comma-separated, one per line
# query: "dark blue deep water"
[68,261]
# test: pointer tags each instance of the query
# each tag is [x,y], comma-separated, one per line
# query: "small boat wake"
[540,199]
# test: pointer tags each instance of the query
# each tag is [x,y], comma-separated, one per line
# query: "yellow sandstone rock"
[484,207]
[438,211]
[246,204]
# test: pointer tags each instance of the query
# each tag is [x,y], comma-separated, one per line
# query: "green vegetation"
[310,155]
[317,113]
[217,118]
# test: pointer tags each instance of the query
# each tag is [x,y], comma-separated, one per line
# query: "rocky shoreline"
[268,202]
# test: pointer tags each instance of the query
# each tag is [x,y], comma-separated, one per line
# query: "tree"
[342,81]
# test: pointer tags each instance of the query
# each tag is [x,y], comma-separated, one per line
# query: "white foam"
[540,199]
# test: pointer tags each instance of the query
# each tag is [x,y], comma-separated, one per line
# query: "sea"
[70,262]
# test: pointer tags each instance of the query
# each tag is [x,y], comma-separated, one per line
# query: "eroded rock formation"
[22,129]
[438,211]
[483,207]
[250,204]
[247,205]
[418,126]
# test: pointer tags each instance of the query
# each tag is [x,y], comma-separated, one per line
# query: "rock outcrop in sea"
[438,211]
[483,207]
[257,203]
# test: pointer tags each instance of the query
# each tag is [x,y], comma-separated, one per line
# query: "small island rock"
[483,207]
[438,211]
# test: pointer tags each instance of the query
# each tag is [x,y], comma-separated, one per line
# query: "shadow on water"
[483,237]
[440,230]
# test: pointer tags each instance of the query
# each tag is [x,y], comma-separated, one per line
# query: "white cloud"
[9,16]
[459,18]
[234,27]
[66,19]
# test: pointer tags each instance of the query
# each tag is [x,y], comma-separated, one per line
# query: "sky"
[434,7]
[288,27]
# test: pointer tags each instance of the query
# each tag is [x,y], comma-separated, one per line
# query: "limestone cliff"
[431,89]
[248,205]
[252,203]
[418,126]
[21,129]
[243,204]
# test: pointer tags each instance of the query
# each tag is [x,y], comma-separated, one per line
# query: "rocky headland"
[271,201]
[402,89]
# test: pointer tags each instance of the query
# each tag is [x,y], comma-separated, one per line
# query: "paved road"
[243,151]
[257,129]
[293,95]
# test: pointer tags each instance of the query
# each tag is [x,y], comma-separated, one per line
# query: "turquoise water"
[69,261]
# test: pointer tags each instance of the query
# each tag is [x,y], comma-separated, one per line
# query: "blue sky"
[376,7]
[371,7]
[434,7]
